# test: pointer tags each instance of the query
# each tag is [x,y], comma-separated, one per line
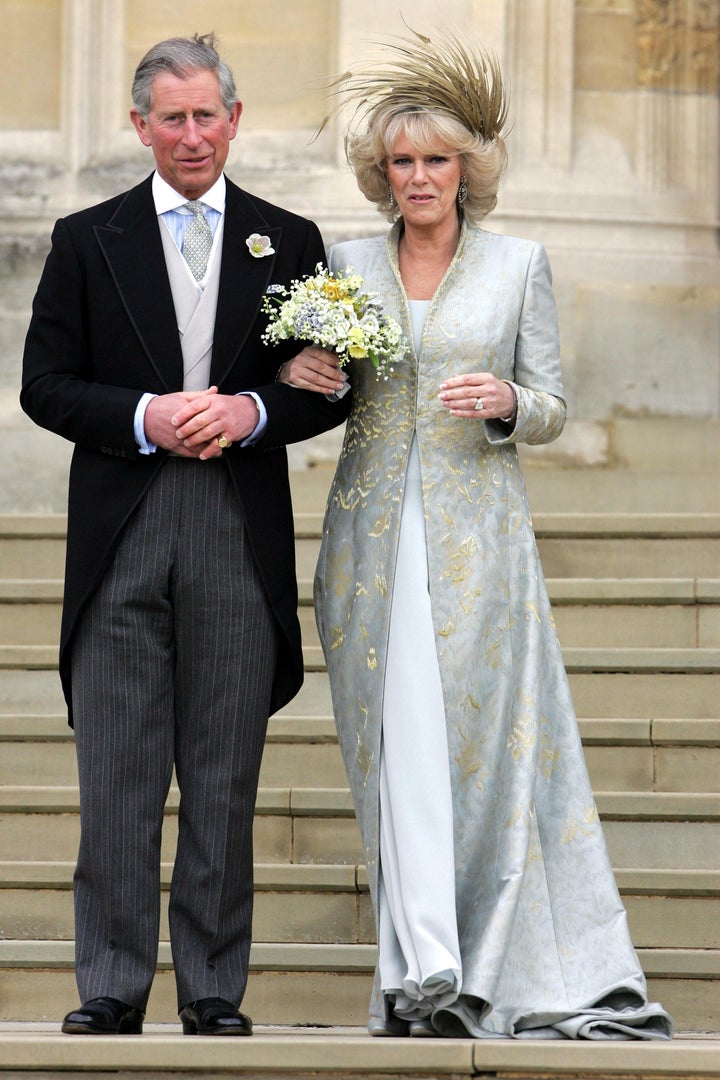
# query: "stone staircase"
[634,574]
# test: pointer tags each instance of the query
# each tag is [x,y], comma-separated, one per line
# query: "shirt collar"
[167,198]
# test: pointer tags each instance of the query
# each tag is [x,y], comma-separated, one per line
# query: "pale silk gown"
[418,947]
[498,913]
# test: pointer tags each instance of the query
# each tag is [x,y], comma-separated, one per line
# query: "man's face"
[189,130]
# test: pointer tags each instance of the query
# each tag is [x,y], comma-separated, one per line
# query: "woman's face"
[424,185]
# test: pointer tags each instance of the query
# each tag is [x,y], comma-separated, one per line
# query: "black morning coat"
[103,332]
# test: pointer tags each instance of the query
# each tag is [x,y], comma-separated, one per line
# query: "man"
[180,632]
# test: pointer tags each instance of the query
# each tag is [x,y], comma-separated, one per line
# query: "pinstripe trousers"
[173,663]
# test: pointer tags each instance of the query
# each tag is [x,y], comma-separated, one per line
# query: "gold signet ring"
[223,441]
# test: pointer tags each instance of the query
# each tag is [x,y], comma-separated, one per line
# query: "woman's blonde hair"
[445,95]
[429,131]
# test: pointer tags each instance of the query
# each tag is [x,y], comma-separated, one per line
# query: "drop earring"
[462,190]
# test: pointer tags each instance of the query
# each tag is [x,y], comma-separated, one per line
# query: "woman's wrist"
[510,419]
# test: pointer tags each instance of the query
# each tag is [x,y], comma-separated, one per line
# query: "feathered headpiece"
[442,76]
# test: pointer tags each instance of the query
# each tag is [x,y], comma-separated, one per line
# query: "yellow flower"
[357,347]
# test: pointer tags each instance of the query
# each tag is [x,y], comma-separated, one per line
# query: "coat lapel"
[133,249]
[243,280]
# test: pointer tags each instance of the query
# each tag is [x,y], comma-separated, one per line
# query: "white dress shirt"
[174,215]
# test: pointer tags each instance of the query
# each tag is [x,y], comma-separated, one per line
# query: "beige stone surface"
[688,769]
[30,77]
[708,626]
[640,694]
[341,1052]
[664,845]
[317,998]
[628,556]
[605,46]
[620,768]
[612,625]
[660,921]
[40,836]
[326,840]
[660,338]
[276,51]
[302,764]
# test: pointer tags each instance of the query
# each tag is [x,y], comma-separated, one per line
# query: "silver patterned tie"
[198,241]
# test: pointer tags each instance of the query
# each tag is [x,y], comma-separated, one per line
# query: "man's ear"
[141,126]
[234,118]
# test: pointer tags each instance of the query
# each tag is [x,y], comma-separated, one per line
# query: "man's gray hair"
[181,57]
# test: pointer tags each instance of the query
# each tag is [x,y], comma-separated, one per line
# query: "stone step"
[596,694]
[628,754]
[344,1053]
[619,623]
[331,904]
[695,661]
[321,904]
[557,490]
[578,660]
[569,525]
[681,613]
[315,825]
[32,545]
[319,984]
[579,544]
[590,545]
[20,532]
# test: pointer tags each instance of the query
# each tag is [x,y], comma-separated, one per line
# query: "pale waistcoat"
[194,309]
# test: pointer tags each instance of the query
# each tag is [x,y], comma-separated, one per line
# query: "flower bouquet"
[331,311]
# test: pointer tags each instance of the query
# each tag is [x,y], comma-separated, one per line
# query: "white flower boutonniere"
[259,246]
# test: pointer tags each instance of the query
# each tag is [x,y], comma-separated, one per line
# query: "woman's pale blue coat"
[542,929]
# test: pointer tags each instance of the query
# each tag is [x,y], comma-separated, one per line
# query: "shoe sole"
[86,1029]
[192,1030]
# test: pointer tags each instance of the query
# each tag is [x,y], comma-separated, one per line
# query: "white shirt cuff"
[262,422]
[146,447]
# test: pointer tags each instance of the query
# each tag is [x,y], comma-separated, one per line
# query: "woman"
[496,906]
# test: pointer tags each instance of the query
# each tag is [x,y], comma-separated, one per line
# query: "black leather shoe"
[104,1016]
[214,1016]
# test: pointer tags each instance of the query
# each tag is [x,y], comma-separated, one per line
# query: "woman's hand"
[479,396]
[313,369]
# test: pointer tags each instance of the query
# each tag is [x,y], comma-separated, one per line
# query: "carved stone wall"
[613,166]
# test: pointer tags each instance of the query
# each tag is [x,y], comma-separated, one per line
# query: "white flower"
[331,311]
[259,246]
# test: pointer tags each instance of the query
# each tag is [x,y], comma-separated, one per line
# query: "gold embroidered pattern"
[469,759]
[364,758]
